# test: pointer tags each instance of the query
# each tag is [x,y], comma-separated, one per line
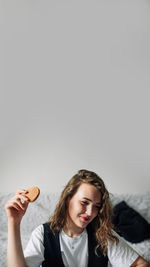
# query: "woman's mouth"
[85,219]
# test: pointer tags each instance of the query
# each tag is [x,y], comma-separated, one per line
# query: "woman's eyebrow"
[98,203]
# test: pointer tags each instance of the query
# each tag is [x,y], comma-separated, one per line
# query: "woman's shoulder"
[41,231]
[38,232]
[34,251]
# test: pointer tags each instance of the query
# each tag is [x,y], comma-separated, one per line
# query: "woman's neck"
[72,231]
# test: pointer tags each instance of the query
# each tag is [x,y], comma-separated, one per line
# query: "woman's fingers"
[21,197]
[21,191]
[17,206]
[13,205]
[16,202]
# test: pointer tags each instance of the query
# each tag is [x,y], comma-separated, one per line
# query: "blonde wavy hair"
[102,223]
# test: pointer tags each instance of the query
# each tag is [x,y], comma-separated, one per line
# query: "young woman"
[78,234]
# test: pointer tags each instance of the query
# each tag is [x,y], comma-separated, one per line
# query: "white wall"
[75,82]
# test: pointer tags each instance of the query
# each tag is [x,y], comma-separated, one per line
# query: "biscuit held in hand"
[32,193]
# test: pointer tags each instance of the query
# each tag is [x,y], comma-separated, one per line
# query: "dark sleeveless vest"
[52,252]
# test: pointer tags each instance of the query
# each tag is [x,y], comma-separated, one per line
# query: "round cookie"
[32,193]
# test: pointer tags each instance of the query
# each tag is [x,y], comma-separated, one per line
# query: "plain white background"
[75,93]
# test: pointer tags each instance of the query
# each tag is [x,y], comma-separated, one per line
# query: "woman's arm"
[15,210]
[15,255]
[140,262]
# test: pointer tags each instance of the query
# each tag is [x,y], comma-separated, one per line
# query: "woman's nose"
[89,210]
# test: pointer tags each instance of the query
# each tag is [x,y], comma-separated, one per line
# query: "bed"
[39,211]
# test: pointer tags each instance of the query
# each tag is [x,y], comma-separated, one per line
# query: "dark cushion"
[130,224]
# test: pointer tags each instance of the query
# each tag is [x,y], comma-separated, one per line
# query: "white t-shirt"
[120,254]
[74,251]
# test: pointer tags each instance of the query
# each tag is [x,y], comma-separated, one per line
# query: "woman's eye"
[97,207]
[84,203]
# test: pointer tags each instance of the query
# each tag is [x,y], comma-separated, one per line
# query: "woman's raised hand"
[17,206]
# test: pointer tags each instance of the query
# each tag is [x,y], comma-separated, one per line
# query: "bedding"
[39,212]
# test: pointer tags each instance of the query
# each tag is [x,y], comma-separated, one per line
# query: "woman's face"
[83,207]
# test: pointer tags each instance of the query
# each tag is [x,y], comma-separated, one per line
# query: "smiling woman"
[79,233]
[86,184]
[81,212]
